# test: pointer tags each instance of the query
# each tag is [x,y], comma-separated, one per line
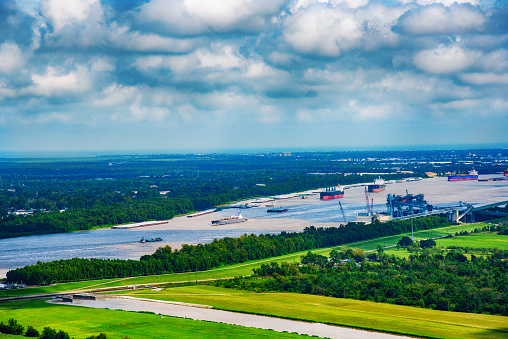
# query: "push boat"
[150,239]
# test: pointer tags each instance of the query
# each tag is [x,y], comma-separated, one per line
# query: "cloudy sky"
[204,75]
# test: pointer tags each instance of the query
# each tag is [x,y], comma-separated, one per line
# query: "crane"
[342,210]
[369,208]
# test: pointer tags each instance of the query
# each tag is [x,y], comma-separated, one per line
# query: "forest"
[446,281]
[219,252]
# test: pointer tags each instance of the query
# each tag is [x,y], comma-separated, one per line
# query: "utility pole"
[412,229]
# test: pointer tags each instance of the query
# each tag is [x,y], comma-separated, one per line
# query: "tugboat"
[150,239]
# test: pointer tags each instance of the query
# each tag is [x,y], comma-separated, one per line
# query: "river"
[124,243]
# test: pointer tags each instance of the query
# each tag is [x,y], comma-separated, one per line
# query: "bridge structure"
[458,214]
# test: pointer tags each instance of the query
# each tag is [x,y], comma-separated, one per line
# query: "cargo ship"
[473,175]
[378,186]
[331,193]
[506,172]
[229,220]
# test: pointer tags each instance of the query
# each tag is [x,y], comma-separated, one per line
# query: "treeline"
[219,252]
[85,219]
[446,281]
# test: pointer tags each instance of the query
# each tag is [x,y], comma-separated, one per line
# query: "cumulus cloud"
[267,64]
[330,31]
[191,17]
[65,12]
[445,59]
[439,19]
[11,58]
[54,83]
[116,95]
[485,78]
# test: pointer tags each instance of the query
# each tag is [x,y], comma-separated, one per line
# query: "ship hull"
[330,195]
[376,188]
[226,222]
[462,177]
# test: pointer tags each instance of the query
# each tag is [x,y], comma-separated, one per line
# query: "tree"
[405,241]
[31,332]
[427,243]
[100,336]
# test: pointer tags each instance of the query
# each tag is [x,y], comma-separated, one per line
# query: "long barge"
[139,224]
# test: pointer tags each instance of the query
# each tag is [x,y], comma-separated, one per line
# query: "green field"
[338,311]
[81,322]
[476,241]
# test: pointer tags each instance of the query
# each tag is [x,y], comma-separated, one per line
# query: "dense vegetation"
[224,251]
[446,281]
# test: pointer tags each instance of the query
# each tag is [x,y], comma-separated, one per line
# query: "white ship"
[229,220]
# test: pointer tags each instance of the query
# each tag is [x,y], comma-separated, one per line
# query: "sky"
[177,75]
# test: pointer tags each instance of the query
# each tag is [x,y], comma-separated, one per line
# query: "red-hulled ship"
[331,193]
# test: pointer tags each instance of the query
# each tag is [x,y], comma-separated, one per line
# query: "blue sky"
[99,75]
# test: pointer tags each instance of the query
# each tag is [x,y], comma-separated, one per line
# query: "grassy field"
[337,311]
[81,322]
[476,241]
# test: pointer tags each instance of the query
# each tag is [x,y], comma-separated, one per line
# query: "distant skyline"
[204,76]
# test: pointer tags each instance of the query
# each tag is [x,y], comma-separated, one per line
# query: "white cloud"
[297,4]
[444,20]
[116,95]
[54,84]
[66,12]
[139,112]
[221,56]
[443,2]
[331,31]
[11,58]
[321,30]
[445,59]
[198,17]
[485,78]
